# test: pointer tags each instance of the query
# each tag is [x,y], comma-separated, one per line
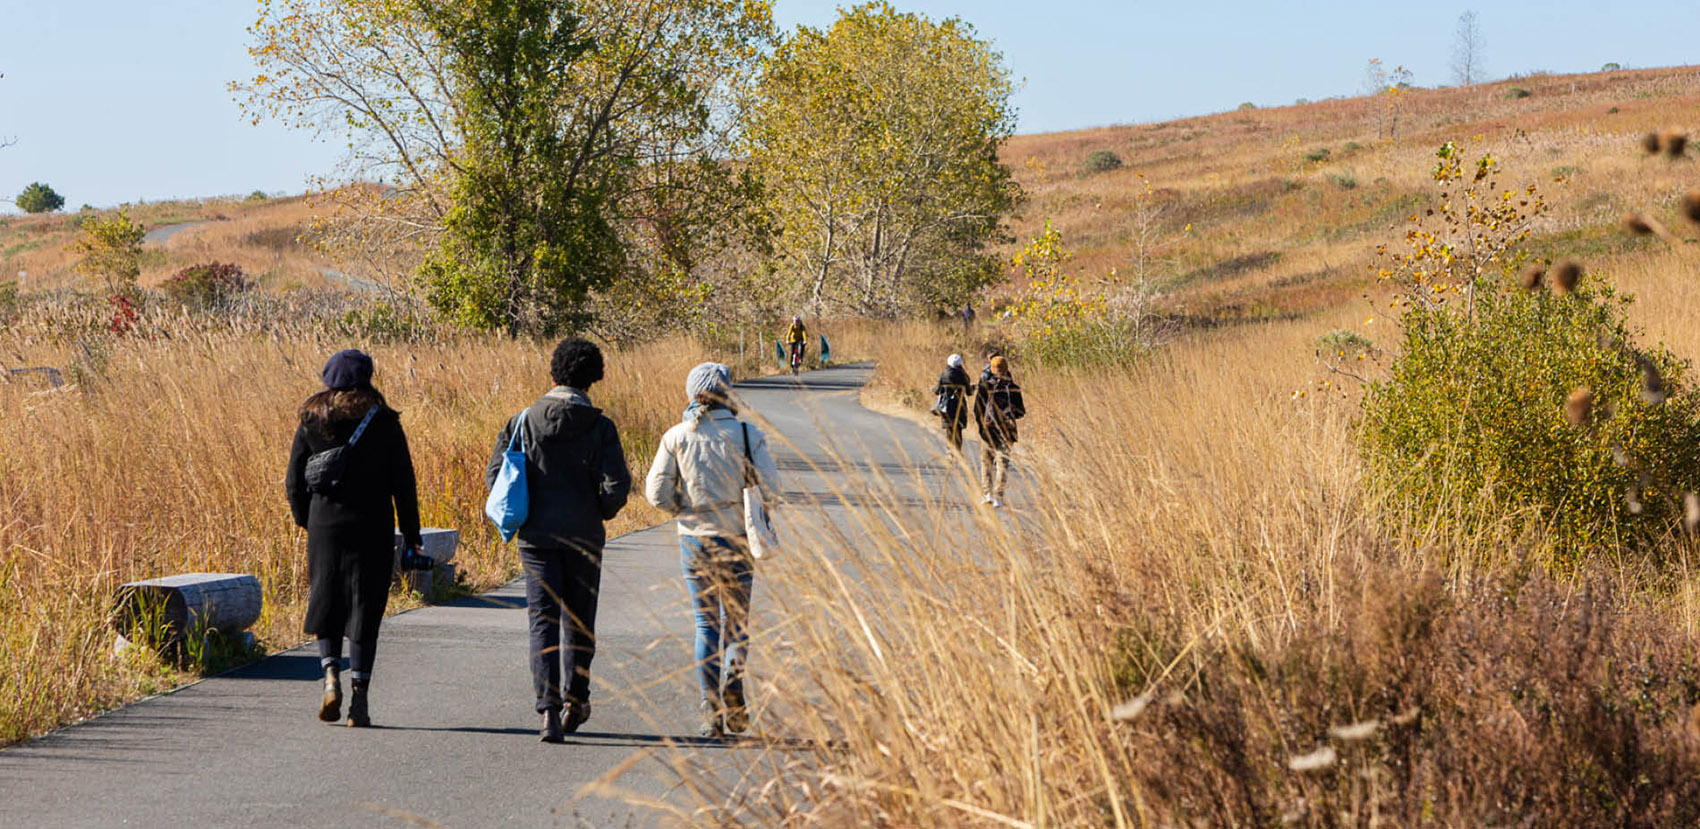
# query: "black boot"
[330,706]
[357,715]
[551,730]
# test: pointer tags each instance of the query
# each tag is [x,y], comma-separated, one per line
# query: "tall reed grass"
[167,451]
[1198,611]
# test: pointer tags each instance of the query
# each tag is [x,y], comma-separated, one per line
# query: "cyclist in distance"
[797,342]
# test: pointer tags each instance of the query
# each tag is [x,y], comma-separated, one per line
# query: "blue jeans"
[720,575]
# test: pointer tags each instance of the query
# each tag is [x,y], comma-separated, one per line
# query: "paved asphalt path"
[162,235]
[456,741]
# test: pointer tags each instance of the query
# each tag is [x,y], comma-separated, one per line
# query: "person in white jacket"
[698,476]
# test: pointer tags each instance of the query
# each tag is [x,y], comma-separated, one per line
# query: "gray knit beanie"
[709,377]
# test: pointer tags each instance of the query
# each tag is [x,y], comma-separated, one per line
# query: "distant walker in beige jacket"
[698,477]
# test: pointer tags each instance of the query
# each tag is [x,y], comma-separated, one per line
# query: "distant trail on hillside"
[162,235]
[356,283]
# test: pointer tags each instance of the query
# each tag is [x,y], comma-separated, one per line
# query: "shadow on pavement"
[280,666]
[593,738]
[487,602]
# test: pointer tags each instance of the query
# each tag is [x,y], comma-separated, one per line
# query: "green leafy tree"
[523,244]
[39,198]
[876,141]
[109,251]
[539,151]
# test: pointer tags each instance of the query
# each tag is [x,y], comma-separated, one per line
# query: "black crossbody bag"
[325,470]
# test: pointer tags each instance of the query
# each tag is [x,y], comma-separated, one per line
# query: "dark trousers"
[361,655]
[953,430]
[561,588]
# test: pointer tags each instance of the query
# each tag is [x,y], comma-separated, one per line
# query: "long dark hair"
[335,405]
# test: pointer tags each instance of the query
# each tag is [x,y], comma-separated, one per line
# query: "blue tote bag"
[509,502]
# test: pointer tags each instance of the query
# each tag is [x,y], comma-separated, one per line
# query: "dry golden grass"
[169,457]
[1196,595]
[260,236]
[1198,590]
[1237,187]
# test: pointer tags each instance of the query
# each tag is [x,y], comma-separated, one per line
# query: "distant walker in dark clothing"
[997,406]
[576,477]
[351,527]
[952,402]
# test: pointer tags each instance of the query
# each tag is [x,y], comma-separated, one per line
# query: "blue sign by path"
[825,351]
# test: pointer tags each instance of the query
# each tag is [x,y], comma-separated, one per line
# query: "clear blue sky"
[121,101]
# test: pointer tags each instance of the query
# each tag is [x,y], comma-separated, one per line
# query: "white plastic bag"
[758,525]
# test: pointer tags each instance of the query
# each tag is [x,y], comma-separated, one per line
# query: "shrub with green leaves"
[1102,161]
[1344,342]
[11,302]
[206,287]
[1536,405]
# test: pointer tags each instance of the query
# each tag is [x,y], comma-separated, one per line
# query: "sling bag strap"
[750,476]
[361,429]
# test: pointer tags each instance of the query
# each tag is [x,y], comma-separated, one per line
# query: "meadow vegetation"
[1253,578]
[1457,588]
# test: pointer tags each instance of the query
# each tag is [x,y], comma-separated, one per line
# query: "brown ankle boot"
[330,705]
[551,730]
[577,714]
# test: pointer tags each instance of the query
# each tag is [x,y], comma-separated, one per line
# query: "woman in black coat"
[952,390]
[351,524]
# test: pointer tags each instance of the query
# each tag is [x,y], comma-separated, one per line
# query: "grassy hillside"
[1244,215]
[271,239]
[1205,577]
[1273,213]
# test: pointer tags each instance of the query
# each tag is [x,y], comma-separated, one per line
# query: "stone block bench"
[176,606]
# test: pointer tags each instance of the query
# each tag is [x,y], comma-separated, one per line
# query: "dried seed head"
[1131,709]
[1652,385]
[1691,516]
[1632,500]
[1674,142]
[1637,224]
[1566,276]
[1532,277]
[1619,456]
[1691,206]
[1650,143]
[1317,760]
[1354,732]
[1579,407]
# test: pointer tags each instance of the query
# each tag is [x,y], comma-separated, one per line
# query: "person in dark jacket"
[576,477]
[351,525]
[997,406]
[952,390]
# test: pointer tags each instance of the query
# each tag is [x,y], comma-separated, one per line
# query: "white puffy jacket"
[699,473]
